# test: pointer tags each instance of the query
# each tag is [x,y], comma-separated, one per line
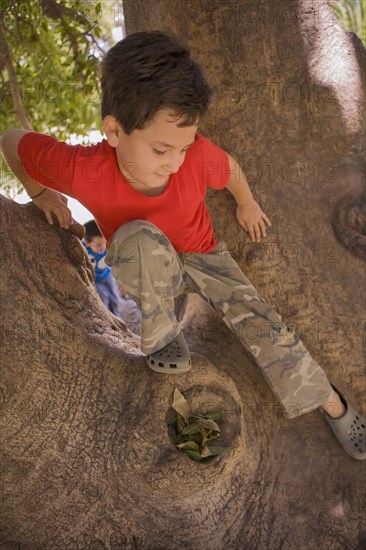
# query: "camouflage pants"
[144,261]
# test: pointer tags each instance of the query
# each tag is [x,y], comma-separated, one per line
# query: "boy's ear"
[112,130]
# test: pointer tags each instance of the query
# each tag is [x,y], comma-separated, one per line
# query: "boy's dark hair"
[91,231]
[148,71]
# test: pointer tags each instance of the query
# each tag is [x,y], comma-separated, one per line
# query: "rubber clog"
[349,429]
[172,359]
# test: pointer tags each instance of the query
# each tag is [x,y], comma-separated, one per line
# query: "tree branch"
[15,91]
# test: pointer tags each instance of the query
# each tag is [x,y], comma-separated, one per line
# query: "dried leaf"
[180,405]
[205,452]
[192,438]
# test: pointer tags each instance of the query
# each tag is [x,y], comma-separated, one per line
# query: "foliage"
[55,51]
[351,13]
[191,434]
[49,54]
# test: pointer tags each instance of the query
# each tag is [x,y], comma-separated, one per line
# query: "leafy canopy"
[54,50]
[351,13]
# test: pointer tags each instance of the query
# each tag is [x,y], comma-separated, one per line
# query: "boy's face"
[143,156]
[97,244]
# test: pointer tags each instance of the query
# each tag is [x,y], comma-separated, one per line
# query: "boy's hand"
[251,217]
[53,201]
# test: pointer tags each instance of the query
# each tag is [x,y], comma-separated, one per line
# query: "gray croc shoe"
[349,429]
[172,359]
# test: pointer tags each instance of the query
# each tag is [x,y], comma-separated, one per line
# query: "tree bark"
[87,462]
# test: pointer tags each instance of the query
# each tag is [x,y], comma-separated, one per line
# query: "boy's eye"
[163,152]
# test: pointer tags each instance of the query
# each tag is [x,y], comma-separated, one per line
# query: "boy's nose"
[173,165]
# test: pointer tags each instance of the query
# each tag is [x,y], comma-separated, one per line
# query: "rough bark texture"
[86,460]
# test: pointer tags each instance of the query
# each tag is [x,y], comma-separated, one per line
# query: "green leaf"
[192,429]
[197,438]
[178,438]
[180,423]
[208,424]
[213,436]
[193,455]
[189,445]
[180,405]
[98,7]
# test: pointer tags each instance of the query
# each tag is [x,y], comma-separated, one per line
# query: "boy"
[96,247]
[145,185]
[106,285]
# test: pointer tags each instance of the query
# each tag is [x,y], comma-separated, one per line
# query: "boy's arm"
[49,201]
[9,148]
[248,212]
[238,185]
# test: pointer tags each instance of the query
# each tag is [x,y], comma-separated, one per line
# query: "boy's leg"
[297,380]
[103,292]
[144,261]
[130,314]
[115,299]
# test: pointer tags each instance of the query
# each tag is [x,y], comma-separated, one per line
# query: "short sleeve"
[216,168]
[48,161]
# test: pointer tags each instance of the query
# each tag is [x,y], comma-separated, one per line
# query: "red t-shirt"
[91,175]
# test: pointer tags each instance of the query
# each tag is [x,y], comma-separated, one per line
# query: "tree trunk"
[87,462]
